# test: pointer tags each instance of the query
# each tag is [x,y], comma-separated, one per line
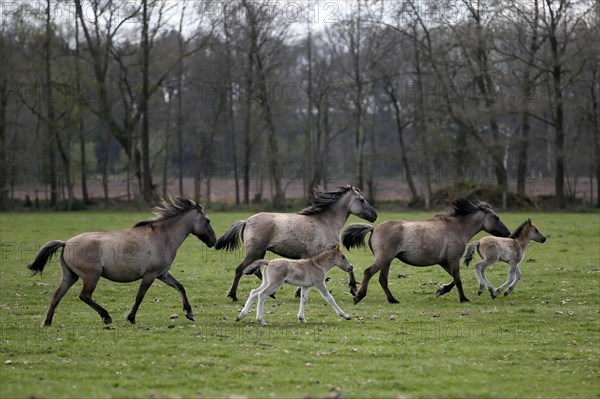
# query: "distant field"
[541,341]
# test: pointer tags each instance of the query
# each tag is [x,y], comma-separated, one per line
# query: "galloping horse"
[439,240]
[144,251]
[296,235]
[510,250]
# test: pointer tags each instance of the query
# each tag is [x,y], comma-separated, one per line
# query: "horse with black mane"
[296,235]
[145,251]
[440,240]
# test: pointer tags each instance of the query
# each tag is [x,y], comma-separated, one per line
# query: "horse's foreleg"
[453,269]
[383,280]
[147,281]
[89,285]
[327,296]
[303,301]
[68,279]
[352,282]
[512,285]
[512,271]
[168,279]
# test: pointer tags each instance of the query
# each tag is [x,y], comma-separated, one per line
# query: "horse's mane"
[519,229]
[169,208]
[321,200]
[462,207]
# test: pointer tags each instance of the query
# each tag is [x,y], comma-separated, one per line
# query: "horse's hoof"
[465,299]
[440,292]
[233,297]
[262,323]
[506,293]
[238,318]
[273,296]
[347,317]
[302,320]
[393,301]
[357,299]
[190,316]
[479,293]
[353,291]
[108,320]
[46,323]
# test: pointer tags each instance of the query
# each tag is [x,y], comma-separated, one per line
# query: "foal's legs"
[483,281]
[512,275]
[453,269]
[381,262]
[271,287]
[251,256]
[253,294]
[67,280]
[147,281]
[90,281]
[512,285]
[168,279]
[325,293]
[303,300]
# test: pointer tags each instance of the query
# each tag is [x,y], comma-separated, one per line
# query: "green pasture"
[541,341]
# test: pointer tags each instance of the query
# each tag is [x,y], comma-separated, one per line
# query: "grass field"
[541,341]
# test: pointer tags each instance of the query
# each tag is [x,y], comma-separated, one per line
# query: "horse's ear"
[529,221]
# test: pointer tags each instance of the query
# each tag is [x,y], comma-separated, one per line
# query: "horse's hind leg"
[380,263]
[253,294]
[89,285]
[383,280]
[147,281]
[483,281]
[270,288]
[168,279]
[250,257]
[67,280]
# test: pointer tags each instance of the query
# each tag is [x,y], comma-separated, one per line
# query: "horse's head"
[202,228]
[491,221]
[534,233]
[358,205]
[333,255]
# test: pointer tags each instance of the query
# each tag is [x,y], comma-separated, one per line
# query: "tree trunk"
[400,131]
[50,116]
[146,173]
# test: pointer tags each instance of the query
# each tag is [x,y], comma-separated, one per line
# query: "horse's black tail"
[254,266]
[232,237]
[470,252]
[354,235]
[44,255]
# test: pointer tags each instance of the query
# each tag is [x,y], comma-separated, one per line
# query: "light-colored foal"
[510,250]
[303,273]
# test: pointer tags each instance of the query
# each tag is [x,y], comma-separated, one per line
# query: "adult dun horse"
[144,252]
[440,240]
[296,235]
[510,250]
